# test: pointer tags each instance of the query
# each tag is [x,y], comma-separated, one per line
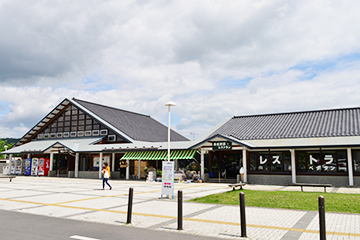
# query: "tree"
[2,147]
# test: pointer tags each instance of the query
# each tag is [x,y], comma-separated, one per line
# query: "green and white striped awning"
[159,155]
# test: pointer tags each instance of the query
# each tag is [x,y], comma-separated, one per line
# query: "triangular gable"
[66,130]
[208,141]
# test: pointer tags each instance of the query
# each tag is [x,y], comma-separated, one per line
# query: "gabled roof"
[309,124]
[129,125]
[137,126]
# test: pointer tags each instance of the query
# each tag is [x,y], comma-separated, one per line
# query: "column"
[350,167]
[10,160]
[139,169]
[245,163]
[76,165]
[100,165]
[127,169]
[51,161]
[112,162]
[202,163]
[293,166]
[29,155]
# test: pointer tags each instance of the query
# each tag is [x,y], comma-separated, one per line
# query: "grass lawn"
[334,202]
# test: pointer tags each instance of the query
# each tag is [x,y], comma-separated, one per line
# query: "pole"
[131,191]
[180,210]
[168,133]
[322,226]
[242,214]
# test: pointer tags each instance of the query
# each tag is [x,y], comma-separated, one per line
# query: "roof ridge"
[110,107]
[299,112]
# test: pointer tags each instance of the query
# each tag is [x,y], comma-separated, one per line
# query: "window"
[80,134]
[276,161]
[103,132]
[95,133]
[46,135]
[356,161]
[87,133]
[40,136]
[59,135]
[52,135]
[321,162]
[111,138]
[66,134]
[73,134]
[270,162]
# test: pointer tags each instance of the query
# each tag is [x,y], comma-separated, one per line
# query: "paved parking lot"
[83,199]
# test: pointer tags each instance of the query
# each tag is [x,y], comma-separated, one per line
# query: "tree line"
[9,142]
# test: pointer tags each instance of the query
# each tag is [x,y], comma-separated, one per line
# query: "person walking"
[106,175]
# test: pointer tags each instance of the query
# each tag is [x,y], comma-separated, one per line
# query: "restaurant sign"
[224,145]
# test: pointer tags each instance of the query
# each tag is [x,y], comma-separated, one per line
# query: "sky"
[214,59]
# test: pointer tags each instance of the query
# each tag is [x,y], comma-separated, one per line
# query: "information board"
[167,178]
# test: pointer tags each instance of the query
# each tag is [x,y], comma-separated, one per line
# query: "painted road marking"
[185,219]
[83,238]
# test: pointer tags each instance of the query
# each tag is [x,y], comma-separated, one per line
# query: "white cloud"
[136,55]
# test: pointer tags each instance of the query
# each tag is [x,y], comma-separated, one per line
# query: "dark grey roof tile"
[309,124]
[137,126]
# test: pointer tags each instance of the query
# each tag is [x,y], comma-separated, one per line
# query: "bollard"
[180,210]
[322,227]
[242,214]
[131,191]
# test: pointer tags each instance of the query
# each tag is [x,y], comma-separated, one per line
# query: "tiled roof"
[137,126]
[323,123]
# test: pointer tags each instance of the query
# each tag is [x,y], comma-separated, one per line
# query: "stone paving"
[82,199]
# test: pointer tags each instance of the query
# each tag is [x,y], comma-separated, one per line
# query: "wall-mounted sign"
[221,145]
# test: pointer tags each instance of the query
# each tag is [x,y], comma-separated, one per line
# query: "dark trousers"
[105,180]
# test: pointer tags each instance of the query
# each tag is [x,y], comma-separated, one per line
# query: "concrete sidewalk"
[82,199]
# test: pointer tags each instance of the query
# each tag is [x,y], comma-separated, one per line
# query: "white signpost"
[167,179]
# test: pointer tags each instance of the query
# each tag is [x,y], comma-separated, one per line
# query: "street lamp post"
[169,104]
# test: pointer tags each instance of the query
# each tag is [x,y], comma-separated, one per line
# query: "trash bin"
[6,170]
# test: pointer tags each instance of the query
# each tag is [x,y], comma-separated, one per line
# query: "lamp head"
[170,104]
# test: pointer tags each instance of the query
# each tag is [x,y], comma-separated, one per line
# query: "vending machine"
[44,166]
[34,167]
[27,167]
[12,167]
[18,166]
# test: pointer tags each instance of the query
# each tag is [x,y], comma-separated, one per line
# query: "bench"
[7,176]
[311,185]
[237,185]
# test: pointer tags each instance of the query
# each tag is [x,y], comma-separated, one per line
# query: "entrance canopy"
[159,155]
[56,145]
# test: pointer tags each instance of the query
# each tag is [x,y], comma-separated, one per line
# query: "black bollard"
[131,191]
[242,214]
[322,218]
[180,210]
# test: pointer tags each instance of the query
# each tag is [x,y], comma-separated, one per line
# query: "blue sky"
[262,57]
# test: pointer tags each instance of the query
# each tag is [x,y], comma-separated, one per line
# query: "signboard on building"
[167,178]
[224,145]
